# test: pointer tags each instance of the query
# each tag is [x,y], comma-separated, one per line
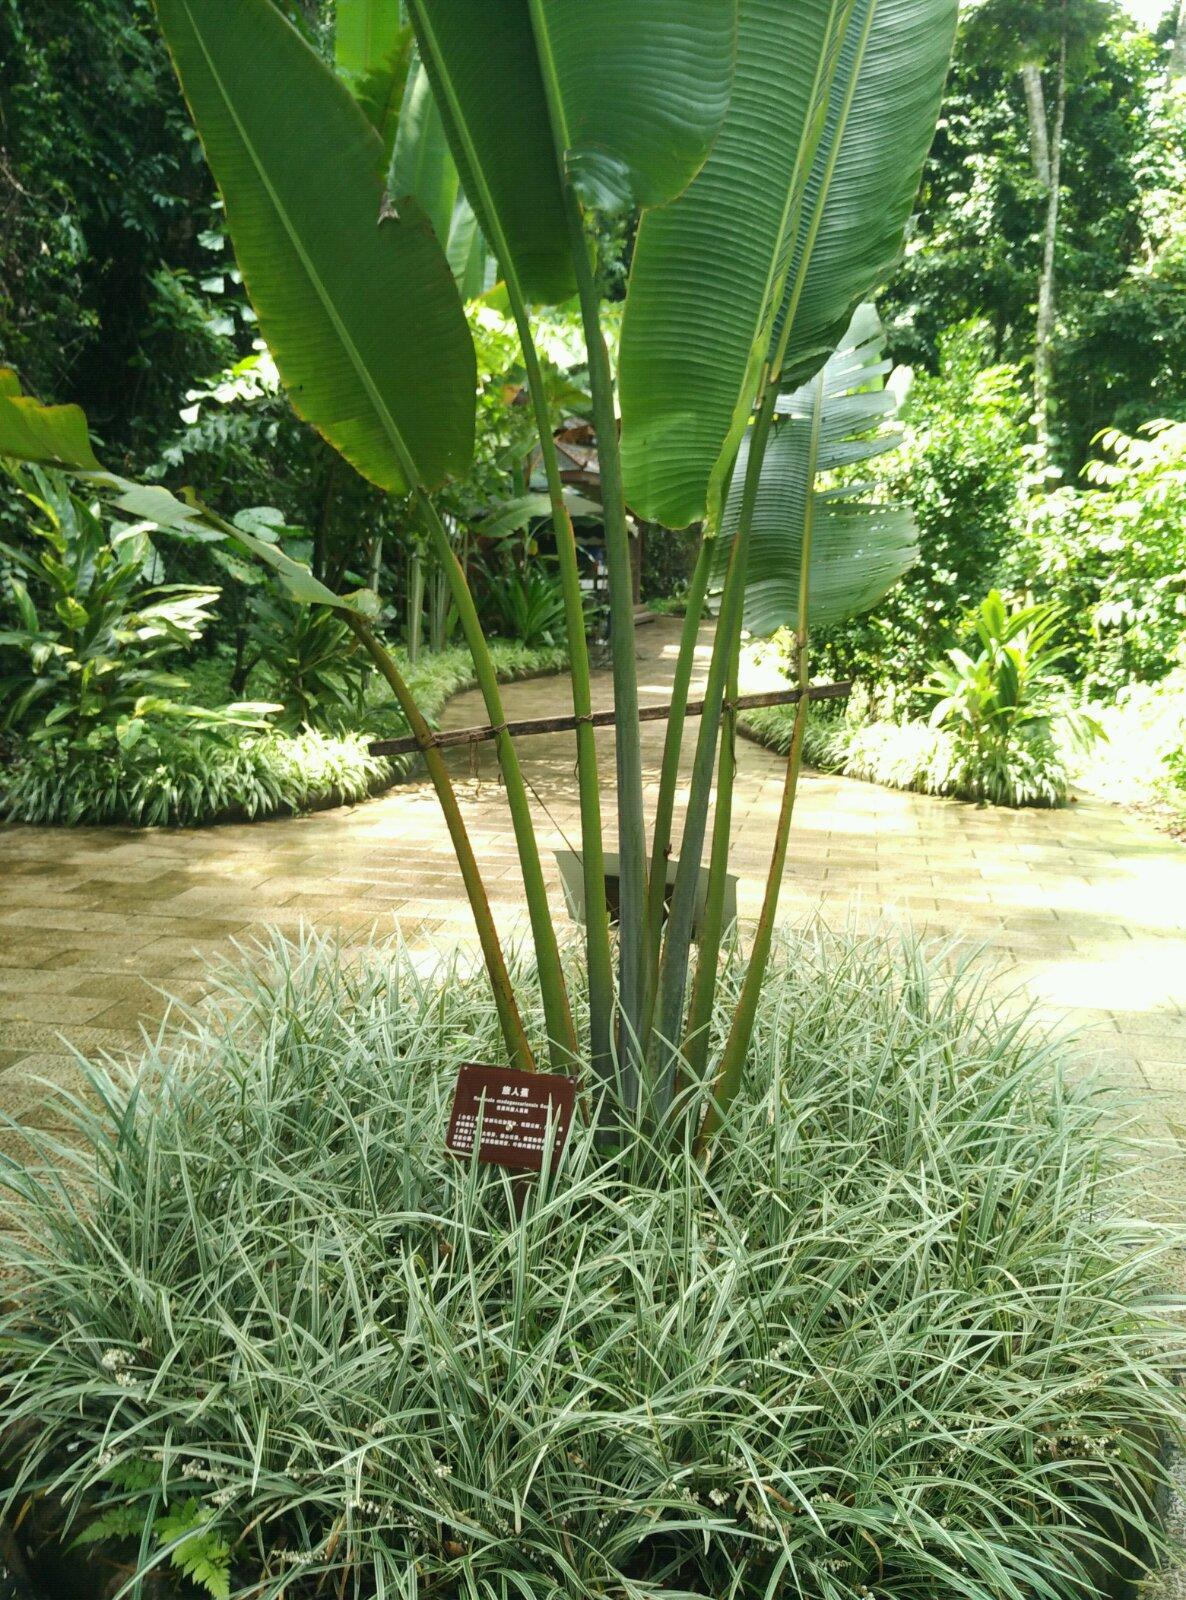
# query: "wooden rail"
[598,719]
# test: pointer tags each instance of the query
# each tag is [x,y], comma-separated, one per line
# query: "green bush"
[904,754]
[909,754]
[313,663]
[1115,558]
[527,605]
[219,773]
[93,625]
[1003,732]
[960,470]
[203,776]
[901,1338]
[1006,707]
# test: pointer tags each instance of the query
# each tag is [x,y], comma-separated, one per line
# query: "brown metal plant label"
[514,1109]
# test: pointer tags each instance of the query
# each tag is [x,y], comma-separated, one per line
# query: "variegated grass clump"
[902,1338]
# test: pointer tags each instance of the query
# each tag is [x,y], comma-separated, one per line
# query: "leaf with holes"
[797,214]
[859,547]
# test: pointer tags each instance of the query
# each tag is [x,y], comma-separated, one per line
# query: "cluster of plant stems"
[645,1024]
[648,1023]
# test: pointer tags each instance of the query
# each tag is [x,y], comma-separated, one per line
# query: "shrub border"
[545,662]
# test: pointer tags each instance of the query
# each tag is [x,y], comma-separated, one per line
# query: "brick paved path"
[1085,907]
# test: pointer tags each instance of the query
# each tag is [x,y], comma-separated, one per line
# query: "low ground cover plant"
[218,773]
[897,1339]
[1005,728]
[1143,763]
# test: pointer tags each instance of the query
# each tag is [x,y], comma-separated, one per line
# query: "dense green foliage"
[1105,544]
[1110,553]
[220,772]
[1120,347]
[313,660]
[527,605]
[960,470]
[238,440]
[1114,552]
[668,558]
[171,780]
[866,1344]
[1007,706]
[908,753]
[217,419]
[96,624]
[103,197]
[115,260]
[1004,728]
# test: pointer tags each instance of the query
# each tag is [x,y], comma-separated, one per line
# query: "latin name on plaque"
[514,1111]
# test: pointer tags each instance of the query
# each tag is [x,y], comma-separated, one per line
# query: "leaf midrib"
[825,192]
[490,222]
[770,301]
[362,372]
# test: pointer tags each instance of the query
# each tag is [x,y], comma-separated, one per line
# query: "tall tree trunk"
[1035,105]
[1046,153]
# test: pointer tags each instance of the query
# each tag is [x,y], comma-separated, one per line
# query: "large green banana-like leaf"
[708,269]
[366,33]
[47,436]
[641,88]
[58,436]
[859,548]
[358,306]
[470,262]
[624,95]
[422,166]
[866,171]
[693,340]
[373,53]
[485,76]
